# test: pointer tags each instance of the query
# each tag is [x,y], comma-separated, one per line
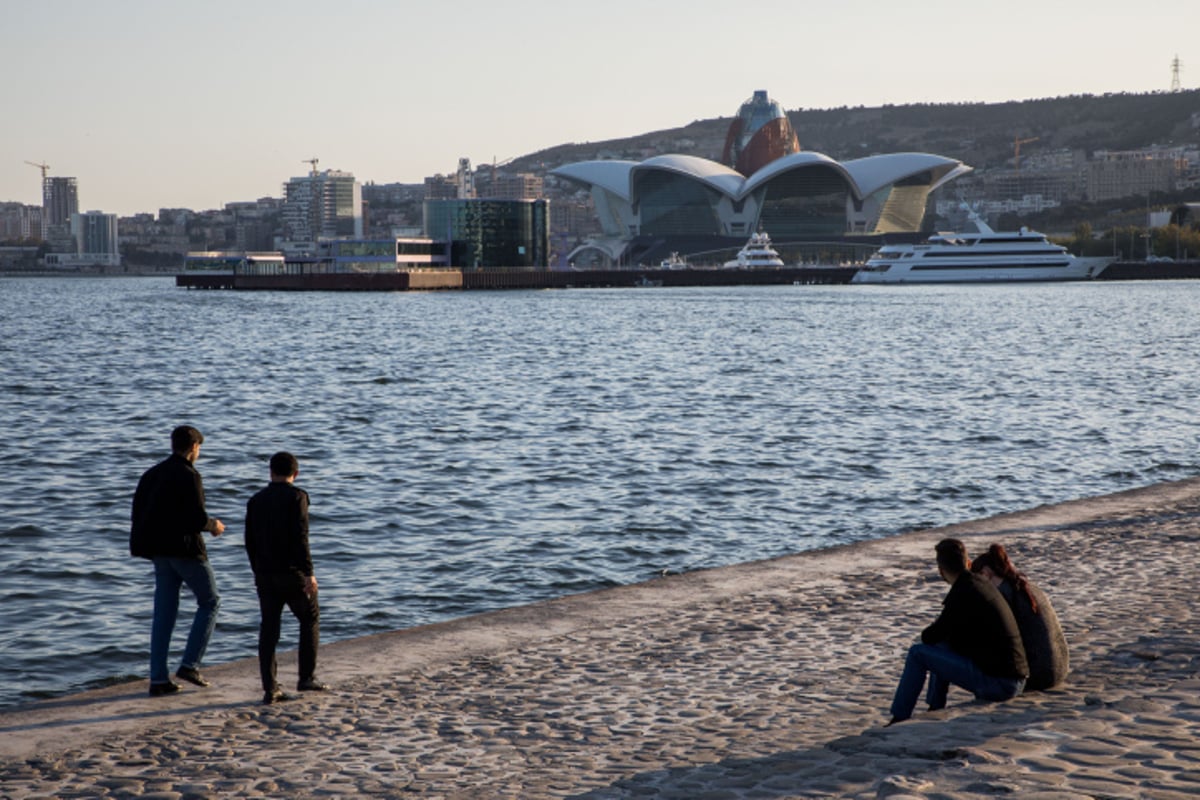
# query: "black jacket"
[168,517]
[976,622]
[277,530]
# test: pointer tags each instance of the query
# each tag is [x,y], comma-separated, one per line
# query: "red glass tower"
[759,134]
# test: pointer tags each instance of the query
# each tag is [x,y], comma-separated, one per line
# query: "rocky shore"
[763,680]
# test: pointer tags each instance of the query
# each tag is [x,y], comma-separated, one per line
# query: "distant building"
[95,237]
[465,180]
[684,203]
[441,187]
[1113,174]
[20,222]
[322,204]
[60,200]
[521,186]
[491,233]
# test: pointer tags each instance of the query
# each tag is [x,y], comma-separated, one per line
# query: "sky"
[155,105]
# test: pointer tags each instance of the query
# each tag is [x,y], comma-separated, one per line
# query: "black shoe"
[312,685]
[191,675]
[159,689]
[275,695]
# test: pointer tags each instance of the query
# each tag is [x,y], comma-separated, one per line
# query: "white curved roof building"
[801,195]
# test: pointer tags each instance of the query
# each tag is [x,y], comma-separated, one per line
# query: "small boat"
[674,262]
[644,282]
[983,256]
[756,254]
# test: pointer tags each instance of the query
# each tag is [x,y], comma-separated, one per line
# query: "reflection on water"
[470,451]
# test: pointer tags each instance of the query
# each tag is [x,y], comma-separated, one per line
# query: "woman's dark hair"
[996,559]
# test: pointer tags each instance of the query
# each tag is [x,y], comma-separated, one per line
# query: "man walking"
[167,527]
[974,643]
[277,544]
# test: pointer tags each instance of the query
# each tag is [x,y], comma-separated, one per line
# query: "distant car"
[1159,260]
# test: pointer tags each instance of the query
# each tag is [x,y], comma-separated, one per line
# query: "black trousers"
[276,590]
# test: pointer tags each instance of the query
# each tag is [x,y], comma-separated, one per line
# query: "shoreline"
[762,679]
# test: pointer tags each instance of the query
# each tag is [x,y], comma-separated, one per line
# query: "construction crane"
[313,162]
[505,162]
[1017,150]
[44,167]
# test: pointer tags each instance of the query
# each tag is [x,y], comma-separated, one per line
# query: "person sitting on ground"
[974,643]
[1042,636]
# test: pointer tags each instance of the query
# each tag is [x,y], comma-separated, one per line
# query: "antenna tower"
[1175,65]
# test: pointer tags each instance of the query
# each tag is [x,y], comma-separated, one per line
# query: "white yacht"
[756,254]
[983,256]
[674,262]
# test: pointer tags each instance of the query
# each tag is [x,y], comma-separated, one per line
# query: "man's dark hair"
[183,437]
[284,464]
[952,555]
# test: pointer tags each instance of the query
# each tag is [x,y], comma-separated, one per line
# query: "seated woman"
[1045,645]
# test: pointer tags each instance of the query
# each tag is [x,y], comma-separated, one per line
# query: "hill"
[980,134]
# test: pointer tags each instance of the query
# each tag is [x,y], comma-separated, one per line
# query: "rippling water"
[467,451]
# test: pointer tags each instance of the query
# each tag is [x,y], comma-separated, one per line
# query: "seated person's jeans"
[945,667]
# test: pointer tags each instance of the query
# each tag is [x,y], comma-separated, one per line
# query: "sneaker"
[312,685]
[191,675]
[168,687]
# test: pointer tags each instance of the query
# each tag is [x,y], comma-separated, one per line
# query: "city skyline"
[149,105]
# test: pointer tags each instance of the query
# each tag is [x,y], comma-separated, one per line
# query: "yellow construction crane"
[312,161]
[1017,150]
[44,167]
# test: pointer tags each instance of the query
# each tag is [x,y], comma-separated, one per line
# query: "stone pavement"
[763,680]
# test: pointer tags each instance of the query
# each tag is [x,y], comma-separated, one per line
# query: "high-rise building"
[322,205]
[95,236]
[465,179]
[60,200]
[759,134]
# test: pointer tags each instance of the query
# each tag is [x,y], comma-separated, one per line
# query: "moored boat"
[674,261]
[983,256]
[756,254]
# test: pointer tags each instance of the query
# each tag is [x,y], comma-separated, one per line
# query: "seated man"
[974,643]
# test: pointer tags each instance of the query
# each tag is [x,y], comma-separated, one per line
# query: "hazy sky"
[154,104]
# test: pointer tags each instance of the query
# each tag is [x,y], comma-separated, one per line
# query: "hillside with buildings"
[1053,163]
[979,134]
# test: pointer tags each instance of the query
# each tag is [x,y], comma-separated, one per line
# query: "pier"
[425,280]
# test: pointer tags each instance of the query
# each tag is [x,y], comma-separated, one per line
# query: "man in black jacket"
[167,527]
[974,643]
[277,544]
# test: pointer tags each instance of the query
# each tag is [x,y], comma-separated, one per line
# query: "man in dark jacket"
[277,544]
[168,524]
[974,643]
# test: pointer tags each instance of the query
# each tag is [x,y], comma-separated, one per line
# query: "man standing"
[168,524]
[974,643]
[277,544]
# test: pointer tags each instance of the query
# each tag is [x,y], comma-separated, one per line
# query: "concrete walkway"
[761,680]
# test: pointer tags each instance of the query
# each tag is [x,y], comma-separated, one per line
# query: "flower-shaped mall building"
[791,194]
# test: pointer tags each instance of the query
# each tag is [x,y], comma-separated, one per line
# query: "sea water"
[468,451]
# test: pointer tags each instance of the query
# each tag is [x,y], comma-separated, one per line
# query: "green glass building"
[489,234]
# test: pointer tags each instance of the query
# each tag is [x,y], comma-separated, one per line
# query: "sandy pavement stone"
[763,680]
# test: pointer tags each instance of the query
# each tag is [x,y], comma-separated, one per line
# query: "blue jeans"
[169,575]
[945,667]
